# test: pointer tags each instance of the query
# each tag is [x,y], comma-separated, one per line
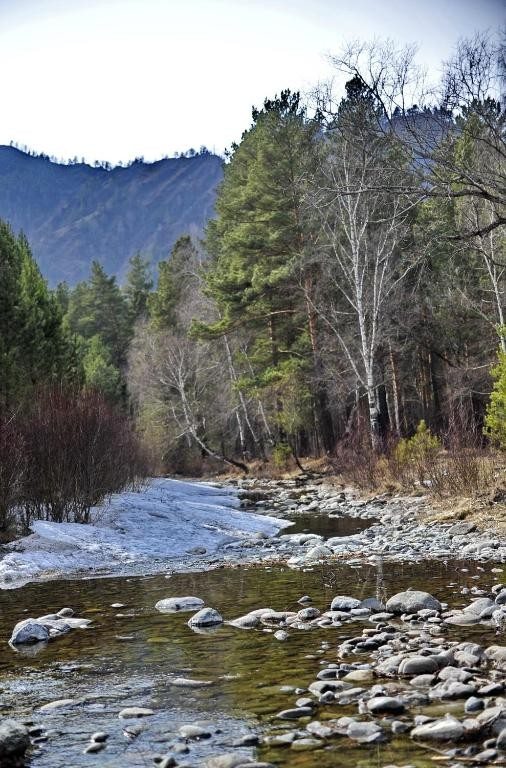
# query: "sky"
[113,80]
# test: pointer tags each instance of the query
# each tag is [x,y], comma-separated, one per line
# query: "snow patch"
[165,520]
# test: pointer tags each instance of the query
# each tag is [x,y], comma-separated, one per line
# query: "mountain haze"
[75,213]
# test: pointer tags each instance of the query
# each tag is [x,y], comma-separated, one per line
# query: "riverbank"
[172,526]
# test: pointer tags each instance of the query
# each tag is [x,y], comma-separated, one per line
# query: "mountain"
[75,213]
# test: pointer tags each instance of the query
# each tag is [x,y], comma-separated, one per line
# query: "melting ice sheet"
[164,520]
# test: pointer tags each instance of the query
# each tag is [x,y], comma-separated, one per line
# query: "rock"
[358,676]
[129,712]
[461,529]
[194,732]
[385,705]
[306,614]
[248,621]
[306,745]
[446,729]
[501,741]
[496,654]
[14,739]
[473,704]
[29,631]
[99,736]
[207,617]
[478,605]
[94,748]
[173,604]
[281,635]
[412,601]
[188,682]
[452,689]
[315,554]
[344,603]
[59,704]
[227,760]
[65,612]
[418,665]
[365,732]
[321,730]
[295,714]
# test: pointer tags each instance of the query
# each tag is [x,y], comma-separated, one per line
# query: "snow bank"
[146,529]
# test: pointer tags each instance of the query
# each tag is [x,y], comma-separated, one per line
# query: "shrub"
[415,459]
[495,419]
[281,455]
[12,470]
[78,450]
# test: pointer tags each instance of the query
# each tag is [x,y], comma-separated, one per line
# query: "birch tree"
[363,225]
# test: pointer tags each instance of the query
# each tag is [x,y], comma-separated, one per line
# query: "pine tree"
[98,308]
[99,372]
[256,243]
[175,277]
[10,352]
[138,286]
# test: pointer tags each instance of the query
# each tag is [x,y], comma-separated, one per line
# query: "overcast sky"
[115,79]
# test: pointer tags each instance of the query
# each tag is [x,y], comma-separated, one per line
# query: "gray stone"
[94,748]
[295,714]
[365,732]
[28,632]
[446,729]
[129,712]
[496,654]
[385,705]
[248,621]
[227,760]
[207,617]
[418,665]
[194,732]
[473,704]
[344,603]
[412,601]
[14,738]
[501,741]
[173,604]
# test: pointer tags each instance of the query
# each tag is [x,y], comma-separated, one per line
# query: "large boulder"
[29,631]
[412,601]
[345,603]
[173,604]
[14,740]
[207,617]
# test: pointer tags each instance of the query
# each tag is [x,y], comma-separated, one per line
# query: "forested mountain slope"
[74,214]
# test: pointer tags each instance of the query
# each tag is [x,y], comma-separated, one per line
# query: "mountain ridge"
[75,213]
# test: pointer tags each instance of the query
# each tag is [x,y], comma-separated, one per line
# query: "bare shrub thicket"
[455,464]
[12,471]
[62,456]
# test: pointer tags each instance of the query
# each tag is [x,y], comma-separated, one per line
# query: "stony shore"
[401,528]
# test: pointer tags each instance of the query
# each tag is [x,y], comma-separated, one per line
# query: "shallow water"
[326,525]
[106,672]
